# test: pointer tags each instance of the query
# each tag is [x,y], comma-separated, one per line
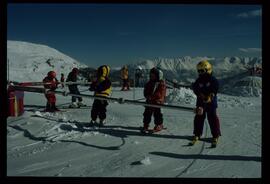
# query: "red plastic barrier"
[15,102]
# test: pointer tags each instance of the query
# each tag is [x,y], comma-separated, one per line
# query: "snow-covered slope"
[31,62]
[63,145]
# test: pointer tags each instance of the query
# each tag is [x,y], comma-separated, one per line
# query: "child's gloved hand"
[92,87]
[65,93]
[148,99]
[207,98]
[121,100]
[198,111]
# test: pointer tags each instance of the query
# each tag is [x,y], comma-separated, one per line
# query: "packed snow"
[63,144]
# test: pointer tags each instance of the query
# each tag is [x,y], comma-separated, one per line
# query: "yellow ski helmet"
[204,67]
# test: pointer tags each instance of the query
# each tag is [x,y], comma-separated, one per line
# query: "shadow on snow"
[208,157]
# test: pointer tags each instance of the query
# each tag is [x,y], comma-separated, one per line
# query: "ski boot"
[194,140]
[158,128]
[54,108]
[145,128]
[92,123]
[50,107]
[214,142]
[81,104]
[73,105]
[101,122]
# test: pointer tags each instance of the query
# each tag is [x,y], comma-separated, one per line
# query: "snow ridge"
[32,62]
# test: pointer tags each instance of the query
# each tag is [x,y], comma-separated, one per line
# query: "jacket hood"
[103,71]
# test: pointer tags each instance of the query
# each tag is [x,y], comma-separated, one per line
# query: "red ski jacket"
[53,85]
[155,92]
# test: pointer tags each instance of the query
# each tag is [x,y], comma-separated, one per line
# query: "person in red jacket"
[154,92]
[50,83]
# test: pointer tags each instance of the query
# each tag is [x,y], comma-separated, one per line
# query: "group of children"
[205,87]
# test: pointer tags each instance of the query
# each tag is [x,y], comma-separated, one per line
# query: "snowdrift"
[250,86]
[181,96]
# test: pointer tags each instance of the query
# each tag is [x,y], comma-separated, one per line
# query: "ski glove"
[65,93]
[121,100]
[207,98]
[198,111]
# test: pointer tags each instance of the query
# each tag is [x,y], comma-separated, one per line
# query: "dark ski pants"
[148,112]
[213,121]
[99,109]
[125,84]
[51,100]
[75,91]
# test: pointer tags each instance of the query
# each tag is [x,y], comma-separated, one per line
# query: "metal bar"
[47,83]
[119,100]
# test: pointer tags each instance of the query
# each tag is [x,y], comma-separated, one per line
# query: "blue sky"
[117,34]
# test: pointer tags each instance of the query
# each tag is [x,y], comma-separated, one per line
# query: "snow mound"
[182,96]
[32,62]
[228,101]
[250,86]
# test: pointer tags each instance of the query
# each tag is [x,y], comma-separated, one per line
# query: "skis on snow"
[195,141]
[151,131]
[53,116]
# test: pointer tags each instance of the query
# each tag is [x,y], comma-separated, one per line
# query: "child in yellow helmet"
[206,88]
[102,87]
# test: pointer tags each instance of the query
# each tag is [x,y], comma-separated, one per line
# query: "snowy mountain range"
[32,62]
[184,68]
[232,72]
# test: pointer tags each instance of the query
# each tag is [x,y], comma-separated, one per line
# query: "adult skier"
[72,77]
[154,92]
[50,95]
[102,88]
[206,88]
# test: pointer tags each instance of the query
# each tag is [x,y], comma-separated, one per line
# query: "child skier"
[72,77]
[125,78]
[50,95]
[62,80]
[102,88]
[154,92]
[206,88]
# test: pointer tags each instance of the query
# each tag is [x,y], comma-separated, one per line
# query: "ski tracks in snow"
[186,170]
